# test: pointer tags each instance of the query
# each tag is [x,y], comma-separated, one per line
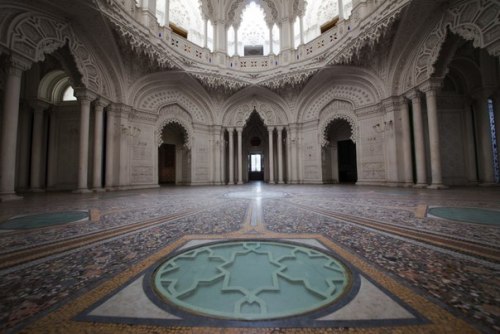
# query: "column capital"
[239,130]
[39,105]
[413,94]
[101,103]
[230,129]
[431,86]
[280,128]
[17,65]
[270,129]
[84,95]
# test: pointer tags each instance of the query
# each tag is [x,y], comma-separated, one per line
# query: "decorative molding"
[174,114]
[474,20]
[337,110]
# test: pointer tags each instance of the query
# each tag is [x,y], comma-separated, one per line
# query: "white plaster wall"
[143,170]
[370,152]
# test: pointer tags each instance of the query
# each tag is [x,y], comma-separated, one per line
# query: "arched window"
[69,94]
[186,14]
[253,30]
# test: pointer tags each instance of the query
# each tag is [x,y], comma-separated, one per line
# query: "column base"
[98,190]
[437,186]
[9,197]
[240,182]
[81,191]
[420,185]
[271,182]
[37,190]
[408,184]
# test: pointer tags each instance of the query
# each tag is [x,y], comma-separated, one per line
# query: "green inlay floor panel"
[251,280]
[43,220]
[470,215]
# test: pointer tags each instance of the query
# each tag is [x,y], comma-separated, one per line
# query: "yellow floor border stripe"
[60,321]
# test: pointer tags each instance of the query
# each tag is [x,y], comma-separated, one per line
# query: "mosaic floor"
[254,258]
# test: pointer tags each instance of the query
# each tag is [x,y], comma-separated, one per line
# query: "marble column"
[8,148]
[301,23]
[435,149]
[36,145]
[418,134]
[110,156]
[271,164]
[341,9]
[85,98]
[407,159]
[98,144]
[235,41]
[280,153]
[486,171]
[52,156]
[271,40]
[230,131]
[239,131]
[205,32]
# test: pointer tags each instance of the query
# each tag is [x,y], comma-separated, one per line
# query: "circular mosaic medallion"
[43,220]
[471,215]
[251,280]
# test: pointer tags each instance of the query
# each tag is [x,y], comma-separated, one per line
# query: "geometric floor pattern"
[405,271]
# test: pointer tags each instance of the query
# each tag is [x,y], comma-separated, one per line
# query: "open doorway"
[339,156]
[166,164]
[347,161]
[173,156]
[255,167]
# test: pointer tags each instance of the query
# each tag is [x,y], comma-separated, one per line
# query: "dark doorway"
[347,161]
[255,167]
[166,164]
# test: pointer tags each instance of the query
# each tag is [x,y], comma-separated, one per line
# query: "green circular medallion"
[251,280]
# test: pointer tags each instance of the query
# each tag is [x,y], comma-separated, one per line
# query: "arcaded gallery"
[249,166]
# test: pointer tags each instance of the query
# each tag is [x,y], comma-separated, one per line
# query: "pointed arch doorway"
[173,156]
[255,152]
[339,156]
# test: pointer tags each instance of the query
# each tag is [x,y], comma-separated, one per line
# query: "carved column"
[271,164]
[286,36]
[84,97]
[239,131]
[98,144]
[36,145]
[407,159]
[8,148]
[218,157]
[231,155]
[430,90]
[418,133]
[280,154]
[110,155]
